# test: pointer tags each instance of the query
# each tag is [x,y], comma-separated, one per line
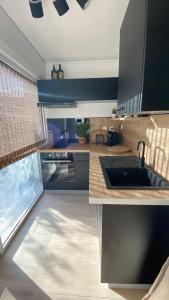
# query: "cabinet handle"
[56,161]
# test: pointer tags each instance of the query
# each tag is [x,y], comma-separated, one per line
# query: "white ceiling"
[79,35]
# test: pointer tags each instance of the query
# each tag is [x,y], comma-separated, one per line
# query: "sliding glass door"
[20,185]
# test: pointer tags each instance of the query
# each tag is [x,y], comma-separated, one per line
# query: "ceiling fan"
[60,5]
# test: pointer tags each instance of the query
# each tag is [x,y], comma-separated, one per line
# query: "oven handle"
[54,161]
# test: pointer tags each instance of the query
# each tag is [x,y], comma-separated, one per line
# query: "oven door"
[58,174]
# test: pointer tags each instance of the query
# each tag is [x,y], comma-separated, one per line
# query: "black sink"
[128,176]
[125,173]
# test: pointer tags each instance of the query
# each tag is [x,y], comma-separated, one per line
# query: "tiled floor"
[55,255]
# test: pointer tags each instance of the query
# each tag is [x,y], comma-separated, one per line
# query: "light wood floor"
[55,256]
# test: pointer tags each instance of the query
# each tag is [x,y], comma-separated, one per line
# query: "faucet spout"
[141,156]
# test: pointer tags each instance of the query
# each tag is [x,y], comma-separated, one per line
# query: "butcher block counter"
[89,148]
[98,192]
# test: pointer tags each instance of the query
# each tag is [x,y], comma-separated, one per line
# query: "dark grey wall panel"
[135,243]
[78,89]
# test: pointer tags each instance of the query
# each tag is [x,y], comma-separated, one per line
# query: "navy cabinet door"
[77,89]
[135,243]
[82,170]
[144,59]
[156,72]
[132,47]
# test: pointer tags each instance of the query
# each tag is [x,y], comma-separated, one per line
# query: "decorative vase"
[82,140]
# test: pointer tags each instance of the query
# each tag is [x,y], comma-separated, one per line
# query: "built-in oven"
[58,171]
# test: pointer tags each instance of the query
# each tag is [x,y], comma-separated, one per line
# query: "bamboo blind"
[21,127]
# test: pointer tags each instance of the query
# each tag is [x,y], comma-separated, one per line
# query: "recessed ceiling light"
[61,6]
[82,3]
[36,8]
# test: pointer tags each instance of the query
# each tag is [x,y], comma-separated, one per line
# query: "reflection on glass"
[20,184]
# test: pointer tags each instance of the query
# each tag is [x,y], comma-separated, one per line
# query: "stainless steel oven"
[58,171]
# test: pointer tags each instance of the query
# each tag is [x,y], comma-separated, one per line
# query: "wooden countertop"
[80,148]
[98,192]
[70,148]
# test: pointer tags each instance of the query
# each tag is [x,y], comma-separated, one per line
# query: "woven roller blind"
[21,125]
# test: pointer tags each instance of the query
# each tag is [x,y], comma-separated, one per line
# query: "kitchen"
[84,179]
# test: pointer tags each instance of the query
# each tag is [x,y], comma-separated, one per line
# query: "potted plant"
[82,132]
[114,113]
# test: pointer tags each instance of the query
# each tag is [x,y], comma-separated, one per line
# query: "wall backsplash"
[154,130]
[99,123]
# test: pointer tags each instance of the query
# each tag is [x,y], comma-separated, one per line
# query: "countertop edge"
[64,150]
[115,201]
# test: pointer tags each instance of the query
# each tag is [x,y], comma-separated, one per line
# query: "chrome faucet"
[141,157]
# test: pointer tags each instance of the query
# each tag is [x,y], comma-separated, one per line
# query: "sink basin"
[125,173]
[128,176]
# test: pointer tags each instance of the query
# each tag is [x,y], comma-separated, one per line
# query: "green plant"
[114,111]
[82,129]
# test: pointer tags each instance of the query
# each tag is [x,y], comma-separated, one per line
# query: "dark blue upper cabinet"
[144,58]
[53,91]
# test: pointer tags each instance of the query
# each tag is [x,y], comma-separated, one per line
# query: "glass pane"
[20,183]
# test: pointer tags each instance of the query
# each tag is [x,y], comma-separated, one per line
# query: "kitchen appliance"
[65,171]
[100,139]
[95,133]
[112,138]
[58,171]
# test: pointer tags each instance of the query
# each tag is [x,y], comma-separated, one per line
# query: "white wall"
[83,110]
[17,50]
[86,69]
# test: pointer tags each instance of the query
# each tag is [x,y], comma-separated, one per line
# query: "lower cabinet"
[82,170]
[135,243]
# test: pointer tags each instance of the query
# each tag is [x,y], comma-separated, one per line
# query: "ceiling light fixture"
[61,6]
[82,3]
[36,8]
